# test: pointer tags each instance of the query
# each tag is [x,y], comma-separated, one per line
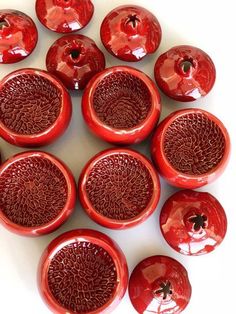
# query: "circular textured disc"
[193,223]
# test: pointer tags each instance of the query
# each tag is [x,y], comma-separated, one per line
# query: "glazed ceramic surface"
[82,271]
[119,188]
[18,36]
[193,223]
[37,193]
[191,148]
[75,59]
[64,16]
[130,32]
[159,284]
[121,105]
[35,108]
[185,73]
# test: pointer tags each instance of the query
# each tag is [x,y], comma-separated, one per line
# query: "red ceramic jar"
[35,108]
[130,32]
[37,193]
[121,105]
[193,223]
[64,16]
[75,59]
[191,148]
[185,73]
[119,188]
[82,271]
[159,284]
[18,36]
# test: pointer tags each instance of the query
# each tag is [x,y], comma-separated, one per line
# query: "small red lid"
[193,223]
[130,32]
[159,284]
[18,36]
[64,16]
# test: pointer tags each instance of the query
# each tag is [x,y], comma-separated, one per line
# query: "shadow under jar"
[35,108]
[37,193]
[82,271]
[191,148]
[119,188]
[121,105]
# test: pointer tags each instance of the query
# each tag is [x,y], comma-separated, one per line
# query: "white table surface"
[210,25]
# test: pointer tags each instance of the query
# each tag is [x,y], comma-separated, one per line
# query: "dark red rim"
[64,214]
[85,235]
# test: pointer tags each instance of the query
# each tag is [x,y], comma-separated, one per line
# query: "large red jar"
[18,36]
[75,59]
[82,271]
[185,73]
[130,32]
[37,193]
[193,223]
[35,108]
[191,148]
[119,188]
[121,105]
[159,284]
[64,16]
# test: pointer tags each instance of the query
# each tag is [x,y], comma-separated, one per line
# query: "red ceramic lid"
[159,284]
[64,16]
[37,193]
[75,59]
[121,105]
[130,32]
[35,108]
[191,148]
[193,223]
[185,73]
[119,188]
[82,271]
[18,36]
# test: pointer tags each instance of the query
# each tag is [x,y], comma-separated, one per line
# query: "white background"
[210,25]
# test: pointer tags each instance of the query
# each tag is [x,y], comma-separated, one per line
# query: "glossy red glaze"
[35,108]
[37,193]
[159,284]
[121,105]
[64,16]
[91,255]
[130,32]
[18,36]
[193,223]
[119,188]
[75,59]
[185,73]
[191,148]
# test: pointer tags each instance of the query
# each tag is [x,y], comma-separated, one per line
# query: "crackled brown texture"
[33,191]
[119,186]
[122,100]
[82,277]
[194,144]
[29,104]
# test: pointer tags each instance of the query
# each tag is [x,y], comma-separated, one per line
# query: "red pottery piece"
[35,108]
[159,284]
[130,32]
[75,59]
[193,223]
[191,148]
[18,36]
[37,193]
[119,188]
[82,271]
[185,73]
[64,16]
[121,105]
